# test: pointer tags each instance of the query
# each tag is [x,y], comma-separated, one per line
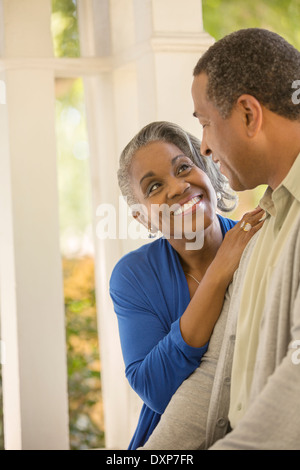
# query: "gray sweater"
[197,415]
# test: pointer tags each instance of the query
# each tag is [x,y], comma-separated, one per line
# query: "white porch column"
[32,310]
[153,46]
[121,404]
[174,32]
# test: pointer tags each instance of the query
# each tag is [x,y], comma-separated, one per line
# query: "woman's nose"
[177,187]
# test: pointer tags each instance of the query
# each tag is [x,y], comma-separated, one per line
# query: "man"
[244,97]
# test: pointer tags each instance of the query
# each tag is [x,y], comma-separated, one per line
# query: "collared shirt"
[282,208]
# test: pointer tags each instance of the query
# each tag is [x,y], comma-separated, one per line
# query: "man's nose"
[205,150]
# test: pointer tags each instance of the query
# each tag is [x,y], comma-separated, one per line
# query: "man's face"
[224,139]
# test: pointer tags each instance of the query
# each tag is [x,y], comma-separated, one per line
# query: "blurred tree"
[84,377]
[64,25]
[221,17]
[73,166]
[84,384]
[72,143]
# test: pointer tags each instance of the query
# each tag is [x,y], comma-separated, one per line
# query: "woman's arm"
[183,424]
[157,359]
[196,324]
[160,353]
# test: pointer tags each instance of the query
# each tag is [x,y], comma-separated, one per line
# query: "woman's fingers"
[252,221]
[238,237]
[254,216]
[258,226]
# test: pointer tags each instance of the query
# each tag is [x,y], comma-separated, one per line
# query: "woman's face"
[163,178]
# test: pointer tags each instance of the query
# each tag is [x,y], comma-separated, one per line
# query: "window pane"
[76,241]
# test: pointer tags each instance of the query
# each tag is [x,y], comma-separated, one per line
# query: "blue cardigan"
[150,293]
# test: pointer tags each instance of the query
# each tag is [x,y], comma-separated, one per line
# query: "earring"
[150,233]
[219,196]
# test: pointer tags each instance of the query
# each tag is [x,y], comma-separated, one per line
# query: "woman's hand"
[229,254]
[198,320]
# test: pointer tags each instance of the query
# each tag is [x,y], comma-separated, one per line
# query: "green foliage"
[84,380]
[86,424]
[64,25]
[84,385]
[221,17]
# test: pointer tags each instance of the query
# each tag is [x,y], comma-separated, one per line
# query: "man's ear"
[252,113]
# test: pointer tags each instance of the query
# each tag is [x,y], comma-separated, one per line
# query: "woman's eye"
[152,188]
[184,167]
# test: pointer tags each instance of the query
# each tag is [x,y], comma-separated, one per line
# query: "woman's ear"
[252,114]
[140,217]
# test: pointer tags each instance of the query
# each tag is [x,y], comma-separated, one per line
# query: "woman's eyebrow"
[150,173]
[176,158]
[147,175]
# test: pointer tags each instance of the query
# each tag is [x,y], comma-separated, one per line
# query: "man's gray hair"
[163,131]
[252,61]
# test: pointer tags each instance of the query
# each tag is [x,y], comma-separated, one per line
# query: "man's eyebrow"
[150,173]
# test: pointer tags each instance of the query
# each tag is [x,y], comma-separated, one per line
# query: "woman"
[168,297]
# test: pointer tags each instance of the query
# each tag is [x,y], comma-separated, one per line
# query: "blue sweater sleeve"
[157,359]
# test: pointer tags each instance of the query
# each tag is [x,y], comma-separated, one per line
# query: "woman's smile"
[190,206]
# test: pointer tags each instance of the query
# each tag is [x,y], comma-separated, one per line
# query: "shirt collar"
[290,183]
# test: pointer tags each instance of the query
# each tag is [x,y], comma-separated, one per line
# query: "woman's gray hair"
[164,131]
